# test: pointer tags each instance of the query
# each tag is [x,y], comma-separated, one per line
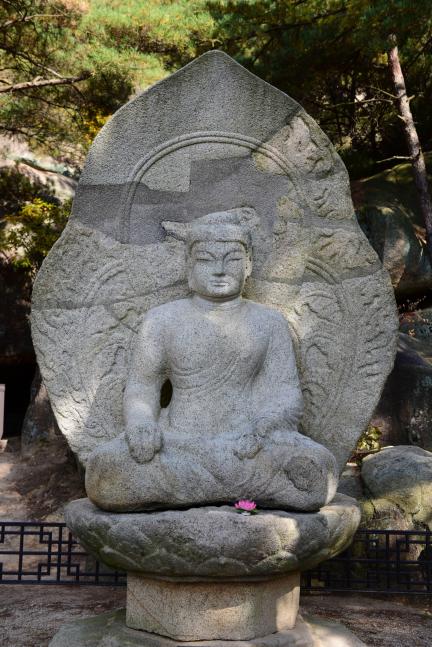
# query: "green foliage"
[28,235]
[32,219]
[16,190]
[111,48]
[370,440]
[98,53]
[331,56]
[165,28]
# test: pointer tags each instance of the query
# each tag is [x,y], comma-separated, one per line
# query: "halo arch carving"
[192,139]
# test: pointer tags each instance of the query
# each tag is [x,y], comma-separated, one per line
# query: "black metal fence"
[47,553]
[378,561]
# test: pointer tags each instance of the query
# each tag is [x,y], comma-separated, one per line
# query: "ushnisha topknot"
[234,225]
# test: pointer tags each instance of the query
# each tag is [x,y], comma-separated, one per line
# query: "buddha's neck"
[214,304]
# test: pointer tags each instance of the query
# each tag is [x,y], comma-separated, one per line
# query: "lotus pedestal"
[210,576]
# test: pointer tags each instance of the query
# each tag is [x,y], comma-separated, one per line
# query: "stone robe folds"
[230,429]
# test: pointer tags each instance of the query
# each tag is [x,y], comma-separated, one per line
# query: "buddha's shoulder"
[167,311]
[265,313]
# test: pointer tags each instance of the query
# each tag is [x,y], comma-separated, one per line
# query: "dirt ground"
[31,615]
[379,622]
[36,488]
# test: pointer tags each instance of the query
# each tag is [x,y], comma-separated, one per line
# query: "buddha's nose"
[219,269]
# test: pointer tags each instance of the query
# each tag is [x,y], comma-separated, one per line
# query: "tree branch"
[16,21]
[30,60]
[305,23]
[359,103]
[372,87]
[395,157]
[12,52]
[263,49]
[15,131]
[292,25]
[40,83]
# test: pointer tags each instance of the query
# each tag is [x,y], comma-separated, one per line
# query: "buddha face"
[218,269]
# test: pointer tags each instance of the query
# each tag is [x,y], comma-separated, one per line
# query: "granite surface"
[214,542]
[213,137]
[110,630]
[191,611]
[230,430]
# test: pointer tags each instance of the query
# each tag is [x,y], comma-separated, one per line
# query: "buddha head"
[219,252]
[219,255]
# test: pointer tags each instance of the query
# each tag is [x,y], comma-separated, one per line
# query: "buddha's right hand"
[144,441]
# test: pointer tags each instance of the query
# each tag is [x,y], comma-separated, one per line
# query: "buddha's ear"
[248,271]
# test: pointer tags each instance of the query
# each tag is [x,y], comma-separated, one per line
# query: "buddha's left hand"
[248,445]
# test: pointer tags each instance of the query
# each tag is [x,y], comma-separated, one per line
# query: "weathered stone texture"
[110,630]
[209,138]
[404,413]
[212,610]
[214,542]
[393,489]
[401,476]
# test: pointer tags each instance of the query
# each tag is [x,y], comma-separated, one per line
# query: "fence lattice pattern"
[378,561]
[47,553]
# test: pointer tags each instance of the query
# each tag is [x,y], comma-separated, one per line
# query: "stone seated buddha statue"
[230,430]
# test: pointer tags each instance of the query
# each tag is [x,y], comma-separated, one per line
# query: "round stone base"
[214,543]
[110,630]
[212,610]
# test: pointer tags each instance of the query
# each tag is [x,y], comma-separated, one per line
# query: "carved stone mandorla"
[212,138]
[313,263]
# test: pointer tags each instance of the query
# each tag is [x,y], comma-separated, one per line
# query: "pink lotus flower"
[246,506]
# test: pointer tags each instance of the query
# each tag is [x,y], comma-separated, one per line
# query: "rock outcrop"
[393,488]
[388,212]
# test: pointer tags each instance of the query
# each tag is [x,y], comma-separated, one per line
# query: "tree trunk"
[413,143]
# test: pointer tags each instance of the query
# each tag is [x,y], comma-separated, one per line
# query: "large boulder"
[388,212]
[404,413]
[398,484]
[393,488]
